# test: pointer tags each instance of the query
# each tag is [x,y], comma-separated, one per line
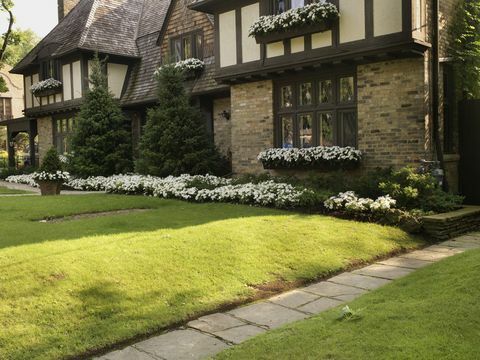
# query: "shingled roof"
[108,26]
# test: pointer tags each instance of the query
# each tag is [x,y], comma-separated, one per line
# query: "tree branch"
[6,37]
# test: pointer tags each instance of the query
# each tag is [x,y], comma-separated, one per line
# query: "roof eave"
[206,6]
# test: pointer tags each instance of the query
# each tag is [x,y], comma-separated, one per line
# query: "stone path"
[35,191]
[211,334]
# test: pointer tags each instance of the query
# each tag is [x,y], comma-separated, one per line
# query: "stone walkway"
[211,334]
[36,191]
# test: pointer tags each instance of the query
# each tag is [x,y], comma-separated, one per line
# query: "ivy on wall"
[465,41]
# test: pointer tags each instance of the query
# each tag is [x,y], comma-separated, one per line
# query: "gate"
[470,150]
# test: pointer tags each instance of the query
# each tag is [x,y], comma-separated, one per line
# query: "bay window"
[316,111]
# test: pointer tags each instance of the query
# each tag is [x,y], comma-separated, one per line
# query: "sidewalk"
[211,334]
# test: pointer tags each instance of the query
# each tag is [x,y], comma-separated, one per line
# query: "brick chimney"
[64,7]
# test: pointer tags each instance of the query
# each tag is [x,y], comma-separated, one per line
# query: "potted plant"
[51,176]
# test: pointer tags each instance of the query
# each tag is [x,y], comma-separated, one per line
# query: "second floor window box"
[191,68]
[315,17]
[47,87]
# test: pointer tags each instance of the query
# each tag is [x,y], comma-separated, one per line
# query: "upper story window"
[280,6]
[6,109]
[316,111]
[50,69]
[187,46]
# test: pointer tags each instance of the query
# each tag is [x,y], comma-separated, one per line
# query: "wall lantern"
[226,115]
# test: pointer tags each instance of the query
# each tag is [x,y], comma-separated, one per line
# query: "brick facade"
[392,113]
[252,124]
[45,135]
[222,128]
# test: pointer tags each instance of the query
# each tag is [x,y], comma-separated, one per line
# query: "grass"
[6,191]
[73,287]
[431,314]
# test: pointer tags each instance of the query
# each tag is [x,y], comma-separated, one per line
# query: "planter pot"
[293,33]
[48,92]
[50,188]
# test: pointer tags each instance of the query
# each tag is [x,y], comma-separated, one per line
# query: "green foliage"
[101,143]
[4,173]
[418,191]
[3,85]
[175,139]
[21,42]
[465,40]
[51,162]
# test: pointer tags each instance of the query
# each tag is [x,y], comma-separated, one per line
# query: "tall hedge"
[102,142]
[175,139]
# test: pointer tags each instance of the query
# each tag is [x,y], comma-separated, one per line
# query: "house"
[136,37]
[365,79]
[11,107]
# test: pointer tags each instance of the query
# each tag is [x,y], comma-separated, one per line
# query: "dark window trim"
[336,108]
[196,53]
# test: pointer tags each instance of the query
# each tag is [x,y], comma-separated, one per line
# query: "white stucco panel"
[228,39]
[250,48]
[275,49]
[67,82]
[387,17]
[77,79]
[28,93]
[352,20]
[116,78]
[321,40]
[35,80]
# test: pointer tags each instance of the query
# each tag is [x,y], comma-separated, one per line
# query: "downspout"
[436,88]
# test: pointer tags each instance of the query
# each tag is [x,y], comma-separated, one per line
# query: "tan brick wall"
[184,20]
[252,124]
[392,112]
[222,128]
[45,136]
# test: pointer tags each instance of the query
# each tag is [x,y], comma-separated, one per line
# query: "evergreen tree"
[101,143]
[175,139]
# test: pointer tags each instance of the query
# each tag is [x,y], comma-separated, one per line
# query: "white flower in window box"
[47,87]
[191,67]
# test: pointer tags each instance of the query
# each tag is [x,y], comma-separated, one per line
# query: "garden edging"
[447,225]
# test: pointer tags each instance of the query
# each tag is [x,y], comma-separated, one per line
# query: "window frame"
[60,139]
[50,68]
[193,36]
[4,114]
[335,107]
[273,7]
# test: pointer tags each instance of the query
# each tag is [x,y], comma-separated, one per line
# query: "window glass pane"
[297,3]
[187,47]
[64,126]
[287,131]
[59,126]
[279,6]
[326,130]
[306,94]
[286,97]
[347,92]
[306,132]
[178,50]
[325,92]
[199,47]
[349,128]
[8,107]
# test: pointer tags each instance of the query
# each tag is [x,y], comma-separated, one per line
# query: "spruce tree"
[101,143]
[175,139]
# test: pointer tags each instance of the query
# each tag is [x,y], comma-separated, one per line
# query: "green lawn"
[71,287]
[432,314]
[7,191]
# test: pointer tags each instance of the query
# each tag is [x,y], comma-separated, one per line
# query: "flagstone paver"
[211,334]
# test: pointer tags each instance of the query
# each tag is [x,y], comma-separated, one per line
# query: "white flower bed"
[45,85]
[312,14]
[321,156]
[350,202]
[186,187]
[191,65]
[61,176]
[22,179]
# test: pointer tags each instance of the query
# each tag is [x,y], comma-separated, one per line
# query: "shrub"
[175,139]
[51,162]
[101,143]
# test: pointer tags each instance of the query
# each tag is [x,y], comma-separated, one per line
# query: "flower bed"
[315,17]
[320,157]
[191,67]
[192,188]
[46,87]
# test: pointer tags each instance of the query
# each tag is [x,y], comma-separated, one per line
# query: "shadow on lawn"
[21,227]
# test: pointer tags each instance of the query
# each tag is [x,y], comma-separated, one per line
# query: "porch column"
[11,149]
[32,133]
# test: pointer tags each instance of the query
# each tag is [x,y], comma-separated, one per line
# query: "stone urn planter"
[50,188]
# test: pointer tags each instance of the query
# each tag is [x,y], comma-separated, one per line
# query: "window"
[50,69]
[62,129]
[187,46]
[317,111]
[280,6]
[6,109]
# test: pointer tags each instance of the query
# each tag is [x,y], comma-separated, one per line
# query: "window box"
[191,68]
[47,87]
[312,18]
[319,158]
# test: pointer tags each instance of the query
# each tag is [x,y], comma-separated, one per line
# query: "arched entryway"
[22,142]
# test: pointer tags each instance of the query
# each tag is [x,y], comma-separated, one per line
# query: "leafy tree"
[465,39]
[6,6]
[21,43]
[175,139]
[101,143]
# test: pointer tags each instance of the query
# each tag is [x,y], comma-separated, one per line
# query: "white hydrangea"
[315,13]
[48,84]
[320,155]
[349,201]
